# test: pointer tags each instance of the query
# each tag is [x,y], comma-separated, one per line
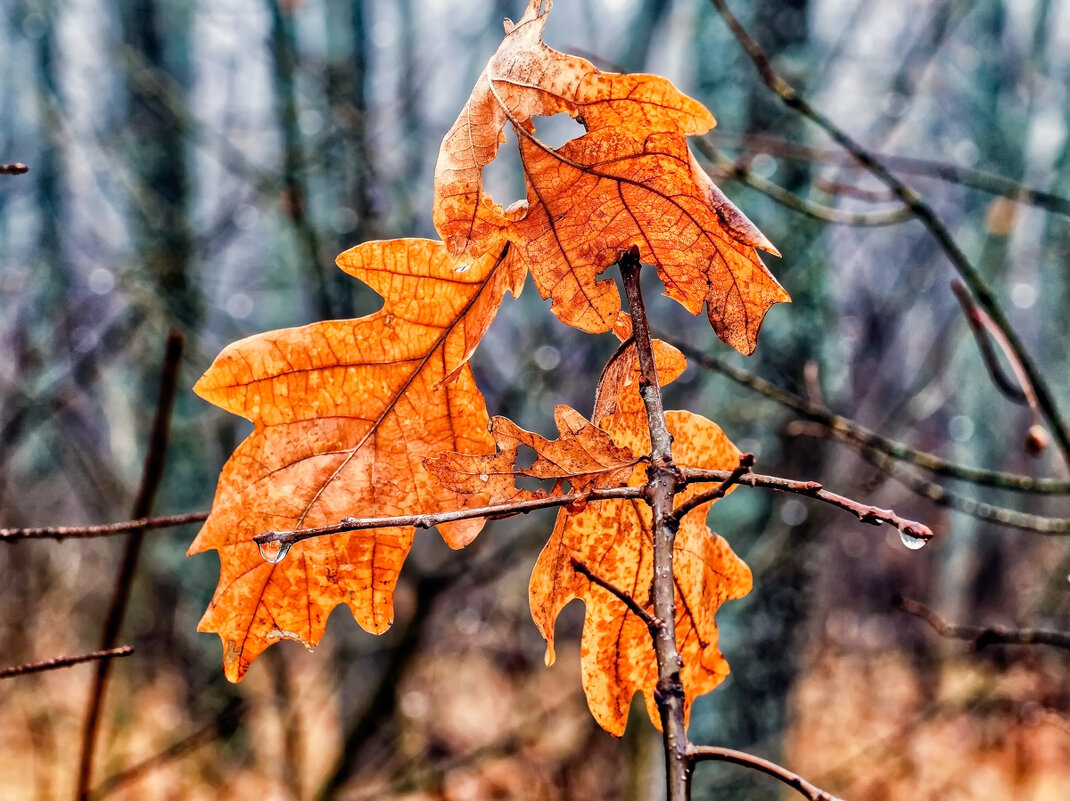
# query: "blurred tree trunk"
[156,38]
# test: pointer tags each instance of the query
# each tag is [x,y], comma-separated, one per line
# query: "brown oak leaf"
[525,79]
[612,539]
[345,411]
[584,455]
[598,195]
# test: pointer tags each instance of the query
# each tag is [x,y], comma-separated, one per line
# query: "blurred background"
[198,165]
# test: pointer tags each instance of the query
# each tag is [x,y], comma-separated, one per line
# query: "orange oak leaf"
[345,411]
[598,195]
[584,456]
[525,79]
[612,539]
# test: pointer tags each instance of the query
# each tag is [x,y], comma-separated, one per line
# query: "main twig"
[922,211]
[663,478]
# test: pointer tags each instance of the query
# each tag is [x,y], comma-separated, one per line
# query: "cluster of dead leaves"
[381,416]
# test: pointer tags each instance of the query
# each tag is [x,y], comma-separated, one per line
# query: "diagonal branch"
[860,437]
[712,753]
[651,622]
[925,214]
[982,636]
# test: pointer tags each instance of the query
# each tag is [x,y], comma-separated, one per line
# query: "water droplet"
[484,477]
[274,552]
[910,541]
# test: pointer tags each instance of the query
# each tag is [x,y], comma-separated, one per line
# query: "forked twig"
[746,462]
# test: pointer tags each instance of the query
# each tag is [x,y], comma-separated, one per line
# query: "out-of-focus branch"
[984,331]
[982,636]
[860,437]
[104,530]
[18,168]
[735,170]
[712,753]
[1000,515]
[64,661]
[983,181]
[922,211]
[151,478]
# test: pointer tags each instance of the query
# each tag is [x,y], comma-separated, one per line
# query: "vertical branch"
[660,491]
[151,477]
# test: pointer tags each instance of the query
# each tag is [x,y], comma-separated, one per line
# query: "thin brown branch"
[104,530]
[868,514]
[874,515]
[982,636]
[924,213]
[860,437]
[663,479]
[930,490]
[18,168]
[712,753]
[151,478]
[64,661]
[648,619]
[746,462]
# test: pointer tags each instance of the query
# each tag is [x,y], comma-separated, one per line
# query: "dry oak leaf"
[612,539]
[525,79]
[598,195]
[584,456]
[345,411]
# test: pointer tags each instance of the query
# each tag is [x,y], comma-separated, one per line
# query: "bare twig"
[712,753]
[633,605]
[64,661]
[151,477]
[104,530]
[18,168]
[922,211]
[811,489]
[861,437]
[866,513]
[982,636]
[746,462]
